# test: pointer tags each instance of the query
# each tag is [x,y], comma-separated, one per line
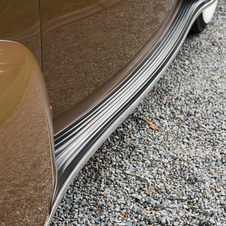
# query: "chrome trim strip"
[76,144]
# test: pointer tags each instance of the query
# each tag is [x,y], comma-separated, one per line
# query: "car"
[71,72]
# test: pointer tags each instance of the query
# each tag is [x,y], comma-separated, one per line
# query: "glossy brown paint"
[76,112]
[27,165]
[85,48]
[19,22]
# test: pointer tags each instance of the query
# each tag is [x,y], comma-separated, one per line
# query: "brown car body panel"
[27,164]
[27,160]
[19,22]
[63,120]
[85,44]
[85,48]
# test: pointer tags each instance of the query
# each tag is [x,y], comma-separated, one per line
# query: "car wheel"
[204,18]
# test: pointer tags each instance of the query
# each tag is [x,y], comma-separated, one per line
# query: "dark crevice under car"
[97,59]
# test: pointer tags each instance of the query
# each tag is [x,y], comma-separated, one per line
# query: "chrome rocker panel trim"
[78,142]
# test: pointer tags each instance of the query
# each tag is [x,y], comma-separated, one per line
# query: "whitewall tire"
[204,18]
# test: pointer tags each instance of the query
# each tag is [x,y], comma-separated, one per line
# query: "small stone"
[139,197]
[129,224]
[163,221]
[180,214]
[97,220]
[212,221]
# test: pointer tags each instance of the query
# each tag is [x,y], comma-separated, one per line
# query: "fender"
[27,164]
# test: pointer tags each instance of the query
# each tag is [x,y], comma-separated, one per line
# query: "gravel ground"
[172,176]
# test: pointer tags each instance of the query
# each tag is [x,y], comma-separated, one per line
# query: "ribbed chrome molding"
[77,143]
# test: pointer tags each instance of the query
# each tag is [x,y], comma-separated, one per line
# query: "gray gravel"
[172,176]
